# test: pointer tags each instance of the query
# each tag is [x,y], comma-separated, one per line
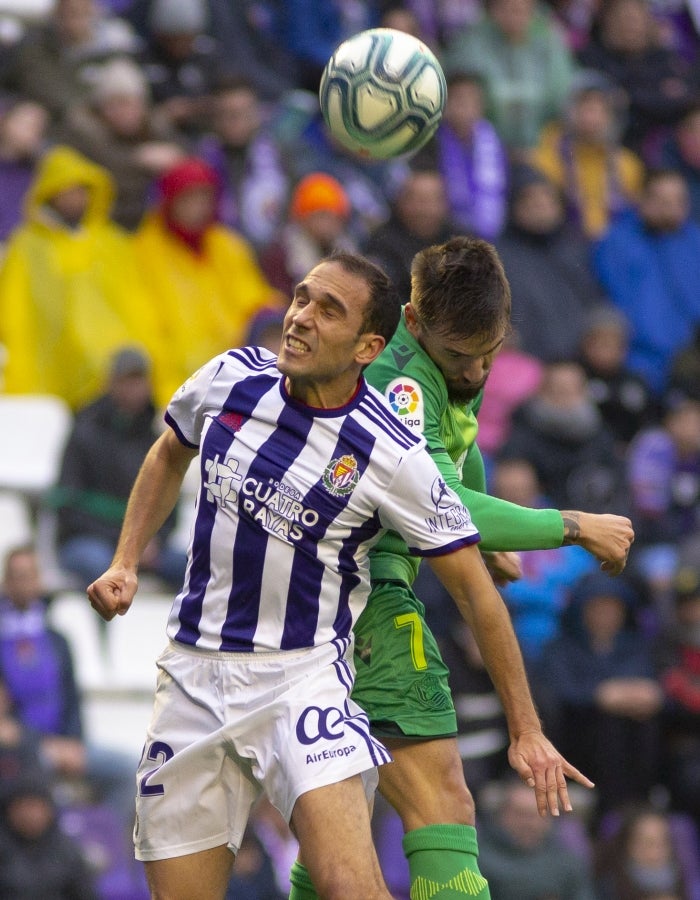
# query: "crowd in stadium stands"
[166,177]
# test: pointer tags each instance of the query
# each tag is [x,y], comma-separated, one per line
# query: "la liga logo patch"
[403,398]
[406,401]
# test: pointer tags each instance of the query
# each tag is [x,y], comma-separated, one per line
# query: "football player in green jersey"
[433,373]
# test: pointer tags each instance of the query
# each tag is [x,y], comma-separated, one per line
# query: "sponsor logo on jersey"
[451,514]
[277,507]
[341,476]
[222,480]
[274,505]
[440,494]
[406,401]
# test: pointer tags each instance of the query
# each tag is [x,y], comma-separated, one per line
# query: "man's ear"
[370,346]
[411,320]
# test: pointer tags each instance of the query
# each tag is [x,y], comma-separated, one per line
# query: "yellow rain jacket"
[205,300]
[70,297]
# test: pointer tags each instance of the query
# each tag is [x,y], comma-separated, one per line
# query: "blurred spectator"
[253,876]
[401,17]
[663,474]
[57,59]
[248,161]
[680,679]
[601,680]
[319,212]
[659,84]
[561,432]
[278,842]
[36,665]
[37,857]
[118,130]
[676,23]
[438,19]
[248,34]
[681,152]
[521,854]
[472,159]
[310,30]
[576,18]
[547,263]
[90,496]
[583,157]
[623,397]
[536,601]
[639,860]
[648,263]
[514,376]
[23,128]
[518,50]
[182,62]
[310,147]
[20,748]
[265,329]
[685,368]
[204,279]
[70,289]
[419,217]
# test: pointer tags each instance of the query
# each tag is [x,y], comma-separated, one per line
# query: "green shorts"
[401,679]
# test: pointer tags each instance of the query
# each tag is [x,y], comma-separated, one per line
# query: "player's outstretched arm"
[608,537]
[151,501]
[536,760]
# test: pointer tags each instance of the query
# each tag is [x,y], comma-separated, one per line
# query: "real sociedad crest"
[340,475]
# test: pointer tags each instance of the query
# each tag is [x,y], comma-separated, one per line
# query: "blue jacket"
[653,279]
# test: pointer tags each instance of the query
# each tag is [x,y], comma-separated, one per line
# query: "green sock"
[302,887]
[442,860]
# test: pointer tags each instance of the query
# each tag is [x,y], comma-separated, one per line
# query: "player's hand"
[504,566]
[542,767]
[607,537]
[112,593]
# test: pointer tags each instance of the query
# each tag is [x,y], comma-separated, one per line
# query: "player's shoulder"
[249,360]
[387,427]
[404,361]
[221,372]
[411,383]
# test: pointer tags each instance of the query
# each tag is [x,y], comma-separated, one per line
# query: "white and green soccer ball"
[382,93]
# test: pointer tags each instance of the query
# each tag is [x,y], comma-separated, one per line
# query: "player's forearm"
[502,525]
[152,499]
[503,660]
[507,526]
[465,577]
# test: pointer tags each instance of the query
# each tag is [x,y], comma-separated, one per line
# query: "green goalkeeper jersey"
[416,390]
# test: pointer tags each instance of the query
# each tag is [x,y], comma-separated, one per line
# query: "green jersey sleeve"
[416,391]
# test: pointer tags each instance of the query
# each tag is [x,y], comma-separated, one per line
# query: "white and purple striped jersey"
[291,499]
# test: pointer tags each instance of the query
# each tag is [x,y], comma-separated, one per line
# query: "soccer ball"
[382,93]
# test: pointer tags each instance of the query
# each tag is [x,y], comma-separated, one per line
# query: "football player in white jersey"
[302,467]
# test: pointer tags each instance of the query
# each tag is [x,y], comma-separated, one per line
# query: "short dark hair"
[229,83]
[660,173]
[459,288]
[384,307]
[465,76]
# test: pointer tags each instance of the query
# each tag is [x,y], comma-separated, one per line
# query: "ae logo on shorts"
[316,724]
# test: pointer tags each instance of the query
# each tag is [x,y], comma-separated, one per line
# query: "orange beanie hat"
[316,192]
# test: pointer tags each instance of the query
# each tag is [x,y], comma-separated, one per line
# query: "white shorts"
[226,726]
